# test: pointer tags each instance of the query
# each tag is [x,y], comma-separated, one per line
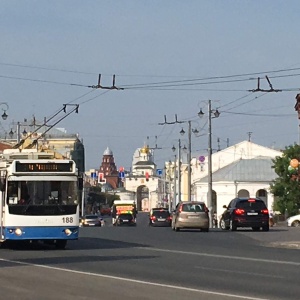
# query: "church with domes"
[143,181]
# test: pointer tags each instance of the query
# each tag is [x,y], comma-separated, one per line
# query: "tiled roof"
[246,170]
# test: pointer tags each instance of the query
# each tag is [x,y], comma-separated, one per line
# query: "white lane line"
[282,262]
[137,281]
[239,272]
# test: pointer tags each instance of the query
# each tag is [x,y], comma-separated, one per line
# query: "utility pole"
[189,162]
[174,196]
[210,190]
[179,170]
[209,194]
[189,157]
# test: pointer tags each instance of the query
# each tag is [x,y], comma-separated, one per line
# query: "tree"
[97,198]
[287,186]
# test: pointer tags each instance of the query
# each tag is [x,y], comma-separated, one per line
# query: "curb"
[289,245]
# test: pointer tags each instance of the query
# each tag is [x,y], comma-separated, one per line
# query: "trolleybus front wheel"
[60,244]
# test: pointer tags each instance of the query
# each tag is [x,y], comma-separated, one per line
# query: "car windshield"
[193,207]
[251,205]
[42,193]
[162,213]
[125,216]
[91,217]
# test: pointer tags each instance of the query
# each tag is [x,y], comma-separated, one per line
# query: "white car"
[293,221]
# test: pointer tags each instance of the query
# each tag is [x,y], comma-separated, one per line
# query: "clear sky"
[171,57]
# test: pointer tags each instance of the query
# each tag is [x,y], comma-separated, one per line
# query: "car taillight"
[153,218]
[169,218]
[265,211]
[239,211]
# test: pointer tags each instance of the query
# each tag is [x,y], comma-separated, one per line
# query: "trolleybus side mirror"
[2,186]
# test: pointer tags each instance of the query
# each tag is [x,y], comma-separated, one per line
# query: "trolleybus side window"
[17,192]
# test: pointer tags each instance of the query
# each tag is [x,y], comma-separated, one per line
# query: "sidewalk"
[284,236]
[279,236]
[289,237]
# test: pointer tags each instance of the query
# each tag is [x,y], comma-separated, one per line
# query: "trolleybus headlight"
[18,231]
[68,231]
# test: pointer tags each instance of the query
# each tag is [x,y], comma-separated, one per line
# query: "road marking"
[136,281]
[239,272]
[282,262]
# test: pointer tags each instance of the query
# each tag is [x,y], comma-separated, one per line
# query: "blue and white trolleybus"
[39,197]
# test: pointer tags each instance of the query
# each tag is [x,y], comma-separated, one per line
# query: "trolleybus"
[39,198]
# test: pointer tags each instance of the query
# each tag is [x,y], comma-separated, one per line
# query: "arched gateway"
[142,196]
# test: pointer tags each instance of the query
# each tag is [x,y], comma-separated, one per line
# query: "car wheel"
[232,226]
[296,223]
[223,225]
[176,228]
[266,227]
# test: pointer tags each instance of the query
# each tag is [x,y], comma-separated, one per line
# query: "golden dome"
[145,150]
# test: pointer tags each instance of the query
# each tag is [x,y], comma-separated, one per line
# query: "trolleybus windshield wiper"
[27,206]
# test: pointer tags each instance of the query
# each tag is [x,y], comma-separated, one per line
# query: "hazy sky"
[170,56]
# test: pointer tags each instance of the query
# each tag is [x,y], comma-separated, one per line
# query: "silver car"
[190,215]
[91,220]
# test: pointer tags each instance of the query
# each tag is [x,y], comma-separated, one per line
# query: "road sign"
[159,172]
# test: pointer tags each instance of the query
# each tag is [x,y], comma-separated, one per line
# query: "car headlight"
[18,232]
[68,231]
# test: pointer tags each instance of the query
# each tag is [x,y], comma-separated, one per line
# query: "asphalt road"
[157,263]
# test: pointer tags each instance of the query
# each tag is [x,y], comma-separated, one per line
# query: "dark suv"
[159,217]
[245,212]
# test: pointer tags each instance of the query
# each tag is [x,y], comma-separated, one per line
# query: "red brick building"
[108,172]
[5,145]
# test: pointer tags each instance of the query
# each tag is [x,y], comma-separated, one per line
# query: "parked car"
[293,221]
[91,220]
[190,215]
[245,212]
[160,217]
[125,219]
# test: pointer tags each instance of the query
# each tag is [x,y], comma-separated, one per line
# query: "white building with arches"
[242,170]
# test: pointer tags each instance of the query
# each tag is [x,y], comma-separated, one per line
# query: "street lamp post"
[189,163]
[189,156]
[210,190]
[179,169]
[174,195]
[4,115]
[18,132]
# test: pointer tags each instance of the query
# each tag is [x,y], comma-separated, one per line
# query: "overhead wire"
[43,81]
[162,84]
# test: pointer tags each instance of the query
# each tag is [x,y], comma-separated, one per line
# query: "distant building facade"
[108,174]
[143,180]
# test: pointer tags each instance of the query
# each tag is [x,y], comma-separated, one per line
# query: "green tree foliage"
[96,197]
[286,187]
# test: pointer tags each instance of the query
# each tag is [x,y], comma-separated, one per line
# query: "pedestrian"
[215,220]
